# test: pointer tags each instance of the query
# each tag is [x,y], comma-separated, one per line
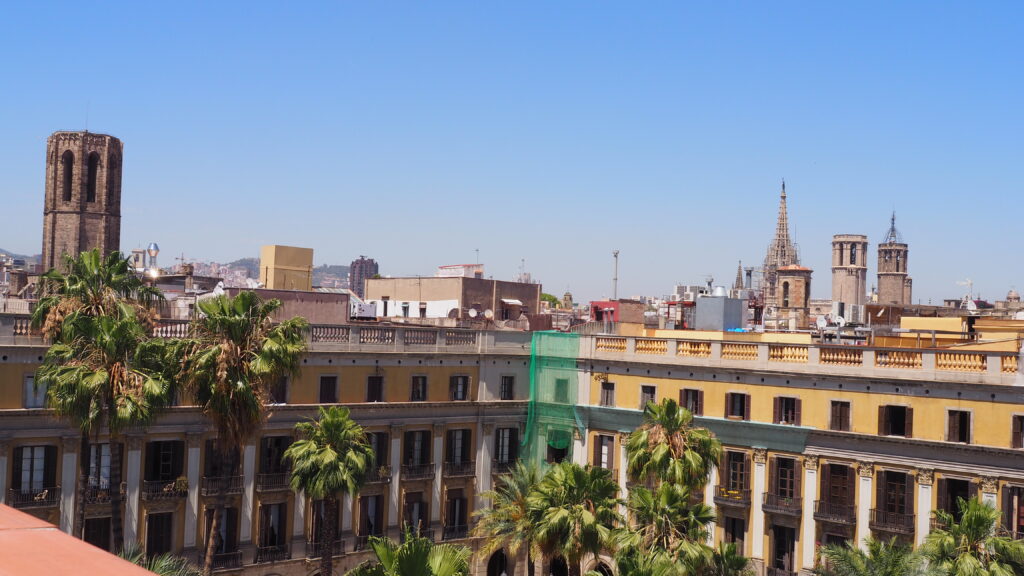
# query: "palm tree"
[727,561]
[330,460]
[417,556]
[97,316]
[162,565]
[881,558]
[972,546]
[666,522]
[666,447]
[508,522]
[236,354]
[575,509]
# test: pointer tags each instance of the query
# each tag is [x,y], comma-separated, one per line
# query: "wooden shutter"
[910,422]
[773,476]
[909,494]
[700,403]
[746,406]
[450,446]
[798,474]
[597,451]
[16,473]
[728,403]
[880,490]
[952,426]
[513,443]
[746,472]
[975,490]
[381,454]
[1016,440]
[49,466]
[232,533]
[408,440]
[834,418]
[826,482]
[883,421]
[467,444]
[851,486]
[942,491]
[776,409]
[797,407]
[1008,509]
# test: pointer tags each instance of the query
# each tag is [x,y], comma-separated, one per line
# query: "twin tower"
[850,270]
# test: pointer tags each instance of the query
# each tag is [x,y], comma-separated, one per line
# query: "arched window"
[853,254]
[90,187]
[67,166]
[113,176]
[785,294]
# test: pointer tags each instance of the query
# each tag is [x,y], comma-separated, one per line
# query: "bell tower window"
[67,164]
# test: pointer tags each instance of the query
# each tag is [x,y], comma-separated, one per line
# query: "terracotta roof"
[34,547]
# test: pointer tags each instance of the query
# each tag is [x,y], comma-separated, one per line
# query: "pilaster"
[865,471]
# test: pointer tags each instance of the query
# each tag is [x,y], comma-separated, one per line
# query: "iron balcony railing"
[464,468]
[456,532]
[379,474]
[227,560]
[417,471]
[779,572]
[789,505]
[213,485]
[162,490]
[274,553]
[101,494]
[272,481]
[42,498]
[314,548]
[726,496]
[503,466]
[362,542]
[423,533]
[832,512]
[891,521]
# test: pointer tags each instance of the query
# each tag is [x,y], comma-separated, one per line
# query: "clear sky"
[553,132]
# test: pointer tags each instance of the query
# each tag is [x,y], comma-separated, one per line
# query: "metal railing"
[503,466]
[213,485]
[892,521]
[379,474]
[726,496]
[227,560]
[275,553]
[162,490]
[789,505]
[832,512]
[314,548]
[362,542]
[464,468]
[42,498]
[456,532]
[424,533]
[272,481]
[778,572]
[417,471]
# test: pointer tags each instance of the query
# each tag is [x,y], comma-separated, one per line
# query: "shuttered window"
[786,410]
[692,400]
[840,416]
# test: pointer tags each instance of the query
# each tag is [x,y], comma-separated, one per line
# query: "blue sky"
[416,133]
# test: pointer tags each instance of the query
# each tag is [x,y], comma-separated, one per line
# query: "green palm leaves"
[667,447]
[415,557]
[972,546]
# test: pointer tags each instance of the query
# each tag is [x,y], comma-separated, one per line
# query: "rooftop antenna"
[477,250]
[615,276]
[969,298]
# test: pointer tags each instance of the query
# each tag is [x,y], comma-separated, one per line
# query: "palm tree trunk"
[574,566]
[116,516]
[330,535]
[530,568]
[211,536]
[78,529]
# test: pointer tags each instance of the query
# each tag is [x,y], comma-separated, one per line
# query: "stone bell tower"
[894,285]
[82,209]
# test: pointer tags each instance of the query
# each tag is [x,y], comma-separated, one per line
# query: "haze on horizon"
[416,134]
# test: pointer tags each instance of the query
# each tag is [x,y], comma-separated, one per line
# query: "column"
[866,471]
[346,513]
[69,481]
[579,448]
[248,485]
[193,441]
[989,488]
[485,458]
[709,500]
[299,525]
[756,514]
[133,471]
[438,453]
[4,447]
[924,505]
[807,525]
[394,489]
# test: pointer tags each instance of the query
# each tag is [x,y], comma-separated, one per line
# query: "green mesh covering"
[554,380]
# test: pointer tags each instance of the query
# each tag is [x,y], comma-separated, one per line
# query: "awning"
[511,302]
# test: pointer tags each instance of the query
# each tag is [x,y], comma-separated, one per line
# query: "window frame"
[320,392]
[419,383]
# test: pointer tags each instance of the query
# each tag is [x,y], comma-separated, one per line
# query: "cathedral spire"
[781,251]
[738,284]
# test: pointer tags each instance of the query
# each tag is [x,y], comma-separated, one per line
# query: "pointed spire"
[738,285]
[781,251]
[893,236]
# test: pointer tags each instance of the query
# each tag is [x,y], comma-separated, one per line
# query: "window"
[896,421]
[783,544]
[604,455]
[273,525]
[219,464]
[99,466]
[374,388]
[279,391]
[320,520]
[97,532]
[737,475]
[508,385]
[272,454]
[159,533]
[562,390]
[417,447]
[959,426]
[735,529]
[165,460]
[785,294]
[840,418]
[951,491]
[328,389]
[415,515]
[786,410]
[456,513]
[839,484]
[35,396]
[607,393]
[93,171]
[458,386]
[853,254]
[419,389]
[1017,431]
[35,469]
[647,395]
[67,162]
[227,530]
[371,515]
[379,444]
[895,493]
[506,444]
[692,400]
[460,446]
[737,406]
[785,478]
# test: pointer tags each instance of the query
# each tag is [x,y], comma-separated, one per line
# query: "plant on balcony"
[102,371]
[667,447]
[415,556]
[180,485]
[881,558]
[509,522]
[972,546]
[330,459]
[235,355]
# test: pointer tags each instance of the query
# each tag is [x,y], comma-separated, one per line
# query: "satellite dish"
[821,322]
[472,312]
[218,290]
[840,321]
[489,314]
[971,305]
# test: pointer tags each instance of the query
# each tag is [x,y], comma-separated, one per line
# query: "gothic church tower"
[894,285]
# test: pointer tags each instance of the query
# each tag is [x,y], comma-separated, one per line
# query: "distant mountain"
[251,265]
[34,258]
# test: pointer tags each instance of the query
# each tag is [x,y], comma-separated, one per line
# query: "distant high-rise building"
[849,273]
[358,272]
[894,285]
[82,208]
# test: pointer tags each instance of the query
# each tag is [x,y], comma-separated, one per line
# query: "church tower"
[82,209]
[781,253]
[894,285]
[849,273]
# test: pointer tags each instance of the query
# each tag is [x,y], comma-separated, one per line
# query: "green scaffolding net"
[552,416]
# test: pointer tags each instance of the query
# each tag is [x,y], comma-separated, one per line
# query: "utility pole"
[615,277]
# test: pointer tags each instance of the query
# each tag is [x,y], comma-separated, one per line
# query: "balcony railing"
[43,498]
[379,474]
[837,513]
[100,494]
[502,466]
[778,572]
[789,505]
[892,521]
[213,485]
[272,481]
[424,533]
[417,471]
[227,560]
[464,468]
[162,490]
[275,553]
[725,496]
[314,548]
[455,532]
[363,542]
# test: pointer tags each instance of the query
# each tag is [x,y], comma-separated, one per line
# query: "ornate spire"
[738,285]
[781,251]
[893,235]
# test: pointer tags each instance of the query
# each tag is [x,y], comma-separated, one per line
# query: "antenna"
[88,102]
[615,277]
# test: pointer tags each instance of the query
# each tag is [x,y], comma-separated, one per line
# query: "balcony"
[788,505]
[275,553]
[214,485]
[894,522]
[227,560]
[503,466]
[44,498]
[314,548]
[363,542]
[456,532]
[455,469]
[379,475]
[428,534]
[725,496]
[417,471]
[826,511]
[778,572]
[101,494]
[272,482]
[161,490]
